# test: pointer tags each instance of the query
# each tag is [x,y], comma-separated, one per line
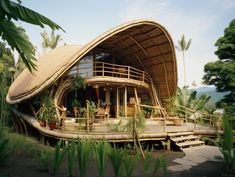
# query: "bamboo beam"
[133,54]
[139,45]
[136,99]
[166,78]
[125,101]
[117,103]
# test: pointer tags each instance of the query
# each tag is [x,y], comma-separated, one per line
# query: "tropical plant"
[116,158]
[6,77]
[101,152]
[59,154]
[221,73]
[186,100]
[129,164]
[147,164]
[71,153]
[183,46]
[84,153]
[4,154]
[45,157]
[16,36]
[50,42]
[134,126]
[225,144]
[160,167]
[47,110]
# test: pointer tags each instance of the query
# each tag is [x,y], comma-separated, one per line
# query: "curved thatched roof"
[143,44]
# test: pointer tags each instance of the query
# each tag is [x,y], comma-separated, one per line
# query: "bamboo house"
[87,89]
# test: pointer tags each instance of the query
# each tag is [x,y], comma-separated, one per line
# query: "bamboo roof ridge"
[143,44]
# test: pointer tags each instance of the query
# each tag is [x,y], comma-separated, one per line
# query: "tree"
[183,47]
[50,42]
[16,36]
[221,73]
[6,76]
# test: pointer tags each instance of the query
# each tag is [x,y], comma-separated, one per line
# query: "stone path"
[195,156]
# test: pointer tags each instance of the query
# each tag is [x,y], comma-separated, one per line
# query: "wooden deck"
[151,131]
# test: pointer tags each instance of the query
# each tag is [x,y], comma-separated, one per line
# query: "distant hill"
[211,91]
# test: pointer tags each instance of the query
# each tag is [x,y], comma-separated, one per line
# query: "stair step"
[180,134]
[190,143]
[185,138]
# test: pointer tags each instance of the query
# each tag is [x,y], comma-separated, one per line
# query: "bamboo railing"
[196,117]
[101,69]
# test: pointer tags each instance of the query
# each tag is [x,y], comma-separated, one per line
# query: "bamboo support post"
[87,120]
[136,98]
[102,69]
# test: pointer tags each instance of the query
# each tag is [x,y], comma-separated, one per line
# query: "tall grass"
[45,157]
[129,164]
[160,167]
[71,153]
[147,164]
[101,152]
[226,144]
[4,154]
[58,157]
[84,154]
[116,158]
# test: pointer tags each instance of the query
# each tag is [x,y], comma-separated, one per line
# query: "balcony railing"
[102,69]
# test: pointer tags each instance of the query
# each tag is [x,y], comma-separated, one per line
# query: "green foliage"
[101,152]
[225,144]
[45,157]
[160,167]
[186,99]
[6,74]
[221,73]
[116,157]
[47,110]
[129,164]
[183,46]
[58,157]
[16,36]
[84,153]
[91,107]
[78,83]
[50,42]
[147,164]
[4,154]
[71,153]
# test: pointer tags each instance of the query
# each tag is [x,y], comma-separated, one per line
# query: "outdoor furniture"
[103,112]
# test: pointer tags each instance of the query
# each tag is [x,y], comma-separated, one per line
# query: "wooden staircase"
[185,139]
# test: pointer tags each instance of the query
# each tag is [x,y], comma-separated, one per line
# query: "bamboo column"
[136,99]
[87,116]
[117,103]
[125,102]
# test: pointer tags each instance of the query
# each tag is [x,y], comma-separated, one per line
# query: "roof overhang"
[143,44]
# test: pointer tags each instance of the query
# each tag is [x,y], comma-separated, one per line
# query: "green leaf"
[19,12]
[17,39]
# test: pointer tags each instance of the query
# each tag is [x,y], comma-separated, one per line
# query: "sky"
[83,20]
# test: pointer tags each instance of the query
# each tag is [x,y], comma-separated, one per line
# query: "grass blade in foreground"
[58,157]
[101,151]
[84,153]
[116,158]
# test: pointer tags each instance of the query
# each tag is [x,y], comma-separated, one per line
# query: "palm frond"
[17,39]
[19,12]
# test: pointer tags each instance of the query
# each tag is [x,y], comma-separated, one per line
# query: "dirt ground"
[28,167]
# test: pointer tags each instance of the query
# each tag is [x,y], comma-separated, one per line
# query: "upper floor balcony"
[102,72]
